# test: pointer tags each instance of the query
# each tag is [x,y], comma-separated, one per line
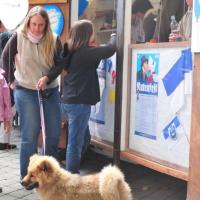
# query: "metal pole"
[119,75]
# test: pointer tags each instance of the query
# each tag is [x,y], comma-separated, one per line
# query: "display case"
[102,13]
[159,105]
[154,124]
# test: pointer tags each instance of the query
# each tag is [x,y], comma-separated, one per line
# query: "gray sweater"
[23,62]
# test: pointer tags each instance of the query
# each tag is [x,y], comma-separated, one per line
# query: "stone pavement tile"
[3,183]
[8,189]
[21,193]
[10,183]
[16,193]
[16,186]
[32,196]
[8,173]
[8,197]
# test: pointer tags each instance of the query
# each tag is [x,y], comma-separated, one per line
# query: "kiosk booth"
[153,121]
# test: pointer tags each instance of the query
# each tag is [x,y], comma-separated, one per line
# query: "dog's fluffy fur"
[54,183]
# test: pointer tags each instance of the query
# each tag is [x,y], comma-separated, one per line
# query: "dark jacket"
[141,76]
[81,85]
[4,37]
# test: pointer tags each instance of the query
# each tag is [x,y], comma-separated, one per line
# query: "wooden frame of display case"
[192,174]
[47,1]
[141,158]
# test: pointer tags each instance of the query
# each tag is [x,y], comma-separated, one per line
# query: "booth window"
[102,13]
[151,19]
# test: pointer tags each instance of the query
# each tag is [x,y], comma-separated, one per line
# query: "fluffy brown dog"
[54,183]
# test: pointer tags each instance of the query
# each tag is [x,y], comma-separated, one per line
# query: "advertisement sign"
[56,18]
[102,114]
[83,4]
[147,94]
[160,106]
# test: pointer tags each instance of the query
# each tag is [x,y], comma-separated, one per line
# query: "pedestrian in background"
[4,37]
[167,9]
[139,10]
[5,107]
[34,54]
[185,24]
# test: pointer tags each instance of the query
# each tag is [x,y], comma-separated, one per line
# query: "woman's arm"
[58,67]
[103,51]
[6,102]
[8,58]
[55,70]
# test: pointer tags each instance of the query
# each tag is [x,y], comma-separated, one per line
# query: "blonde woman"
[30,59]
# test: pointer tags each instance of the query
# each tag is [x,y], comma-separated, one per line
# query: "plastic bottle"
[175,32]
[174,25]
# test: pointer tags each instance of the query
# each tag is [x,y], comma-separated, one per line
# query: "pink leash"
[42,121]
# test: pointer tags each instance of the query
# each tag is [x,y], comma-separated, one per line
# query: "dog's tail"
[112,184]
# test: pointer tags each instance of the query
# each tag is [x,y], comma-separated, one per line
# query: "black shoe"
[11,146]
[61,154]
[0,190]
[4,146]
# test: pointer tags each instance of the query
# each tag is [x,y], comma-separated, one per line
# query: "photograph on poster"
[147,67]
[147,92]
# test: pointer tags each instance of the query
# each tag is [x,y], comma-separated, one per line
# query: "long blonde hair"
[49,41]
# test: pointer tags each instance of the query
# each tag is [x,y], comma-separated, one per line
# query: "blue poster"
[104,70]
[56,18]
[177,72]
[171,129]
[82,6]
[98,110]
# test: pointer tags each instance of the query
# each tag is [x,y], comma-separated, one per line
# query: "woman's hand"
[42,83]
[12,85]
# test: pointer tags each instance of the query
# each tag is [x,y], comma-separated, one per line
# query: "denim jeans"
[78,134]
[27,105]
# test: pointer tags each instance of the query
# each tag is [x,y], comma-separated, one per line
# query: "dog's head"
[41,171]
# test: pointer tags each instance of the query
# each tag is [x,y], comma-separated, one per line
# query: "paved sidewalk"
[146,184]
[9,174]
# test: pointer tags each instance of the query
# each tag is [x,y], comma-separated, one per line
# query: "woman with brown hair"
[81,87]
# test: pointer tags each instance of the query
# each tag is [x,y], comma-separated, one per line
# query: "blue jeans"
[78,134]
[27,105]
